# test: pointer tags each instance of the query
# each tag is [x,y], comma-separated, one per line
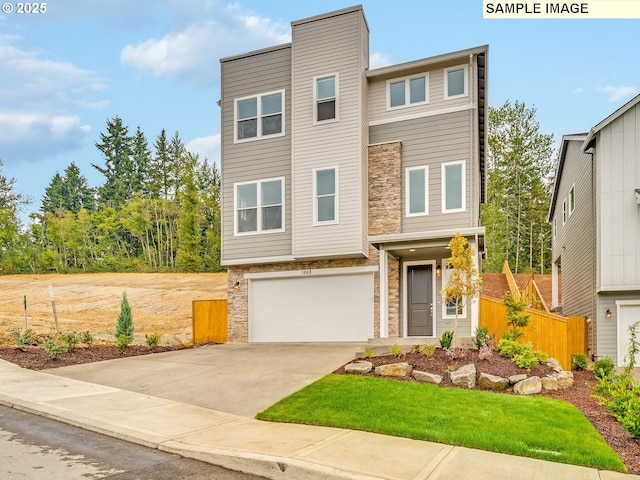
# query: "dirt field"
[160,302]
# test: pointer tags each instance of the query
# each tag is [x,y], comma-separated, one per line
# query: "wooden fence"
[557,336]
[209,321]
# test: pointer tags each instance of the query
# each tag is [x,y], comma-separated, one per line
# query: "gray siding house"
[595,214]
[342,186]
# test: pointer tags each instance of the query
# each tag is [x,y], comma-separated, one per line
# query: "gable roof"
[562,154]
[590,140]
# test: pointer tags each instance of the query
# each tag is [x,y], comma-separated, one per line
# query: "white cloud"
[578,91]
[379,60]
[191,55]
[617,93]
[206,147]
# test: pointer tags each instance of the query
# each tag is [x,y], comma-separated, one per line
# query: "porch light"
[607,314]
[438,270]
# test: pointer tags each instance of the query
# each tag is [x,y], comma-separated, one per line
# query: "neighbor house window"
[417,191]
[326,98]
[449,308]
[325,192]
[259,116]
[453,183]
[564,211]
[455,82]
[407,91]
[259,206]
[572,199]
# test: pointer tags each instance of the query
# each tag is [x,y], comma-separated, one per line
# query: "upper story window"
[326,98]
[325,192]
[453,187]
[417,191]
[259,206]
[564,211]
[404,92]
[572,199]
[455,82]
[259,116]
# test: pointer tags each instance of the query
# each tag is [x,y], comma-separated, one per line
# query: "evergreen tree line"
[157,210]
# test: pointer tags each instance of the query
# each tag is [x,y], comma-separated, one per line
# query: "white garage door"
[311,308]
[628,314]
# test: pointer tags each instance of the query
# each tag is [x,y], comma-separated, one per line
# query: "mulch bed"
[579,395]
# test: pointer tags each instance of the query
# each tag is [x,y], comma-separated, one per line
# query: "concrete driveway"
[242,379]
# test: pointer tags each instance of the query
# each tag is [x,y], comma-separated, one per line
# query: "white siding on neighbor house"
[618,157]
[328,46]
[433,141]
[258,159]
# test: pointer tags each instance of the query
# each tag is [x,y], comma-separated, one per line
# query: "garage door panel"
[628,315]
[311,309]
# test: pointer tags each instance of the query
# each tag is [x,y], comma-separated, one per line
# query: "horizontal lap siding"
[326,47]
[259,159]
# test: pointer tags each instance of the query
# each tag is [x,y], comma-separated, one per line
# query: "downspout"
[594,314]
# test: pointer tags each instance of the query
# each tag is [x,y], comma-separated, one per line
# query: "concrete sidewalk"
[277,451]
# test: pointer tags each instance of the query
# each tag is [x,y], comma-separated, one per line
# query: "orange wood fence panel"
[557,336]
[209,321]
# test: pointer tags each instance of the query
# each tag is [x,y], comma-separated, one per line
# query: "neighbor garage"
[321,305]
[628,314]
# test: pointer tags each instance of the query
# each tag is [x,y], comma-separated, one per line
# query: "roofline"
[253,53]
[618,113]
[335,13]
[575,137]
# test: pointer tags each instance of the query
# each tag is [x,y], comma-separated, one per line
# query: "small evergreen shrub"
[579,362]
[510,348]
[152,339]
[369,352]
[23,339]
[125,323]
[70,339]
[397,350]
[446,339]
[86,338]
[604,368]
[482,338]
[521,354]
[122,342]
[526,359]
[55,348]
[427,350]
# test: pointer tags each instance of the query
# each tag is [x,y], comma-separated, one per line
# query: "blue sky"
[155,64]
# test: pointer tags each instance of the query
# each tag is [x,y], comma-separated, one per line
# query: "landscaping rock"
[401,369]
[464,376]
[550,382]
[565,379]
[528,386]
[426,377]
[555,364]
[361,367]
[513,379]
[492,382]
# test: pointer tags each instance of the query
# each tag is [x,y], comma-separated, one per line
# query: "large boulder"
[361,367]
[426,377]
[402,369]
[555,364]
[465,376]
[492,382]
[528,386]
[513,379]
[565,379]
[550,382]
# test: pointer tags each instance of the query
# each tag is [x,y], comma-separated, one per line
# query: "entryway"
[420,300]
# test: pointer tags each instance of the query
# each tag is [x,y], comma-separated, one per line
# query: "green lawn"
[535,427]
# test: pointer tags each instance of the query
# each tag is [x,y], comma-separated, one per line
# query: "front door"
[420,300]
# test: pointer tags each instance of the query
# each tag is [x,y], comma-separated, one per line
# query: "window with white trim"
[259,206]
[572,199]
[408,91]
[417,191]
[449,308]
[325,193]
[259,116]
[325,93]
[455,82]
[564,211]
[453,187]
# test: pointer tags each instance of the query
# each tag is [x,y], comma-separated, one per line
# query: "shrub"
[521,354]
[369,352]
[55,348]
[397,350]
[510,348]
[23,339]
[579,362]
[526,359]
[446,339]
[604,368]
[482,337]
[125,322]
[427,350]
[122,342]
[152,339]
[70,339]
[517,316]
[621,396]
[86,338]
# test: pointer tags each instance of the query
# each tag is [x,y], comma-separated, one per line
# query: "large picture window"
[259,116]
[408,91]
[326,98]
[259,206]
[453,187]
[325,188]
[417,191]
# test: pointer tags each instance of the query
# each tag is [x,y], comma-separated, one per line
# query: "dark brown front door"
[420,300]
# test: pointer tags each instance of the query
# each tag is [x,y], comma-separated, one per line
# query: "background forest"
[159,207]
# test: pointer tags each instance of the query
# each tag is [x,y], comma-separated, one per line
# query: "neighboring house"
[595,214]
[342,186]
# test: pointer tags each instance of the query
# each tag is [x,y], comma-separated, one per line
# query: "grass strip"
[534,427]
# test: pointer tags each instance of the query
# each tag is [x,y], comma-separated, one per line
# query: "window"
[449,308]
[326,98]
[564,211]
[417,191]
[259,207]
[259,116]
[407,91]
[455,82]
[325,193]
[453,191]
[555,227]
[572,199]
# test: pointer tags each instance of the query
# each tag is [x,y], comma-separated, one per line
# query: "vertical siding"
[321,47]
[251,75]
[432,141]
